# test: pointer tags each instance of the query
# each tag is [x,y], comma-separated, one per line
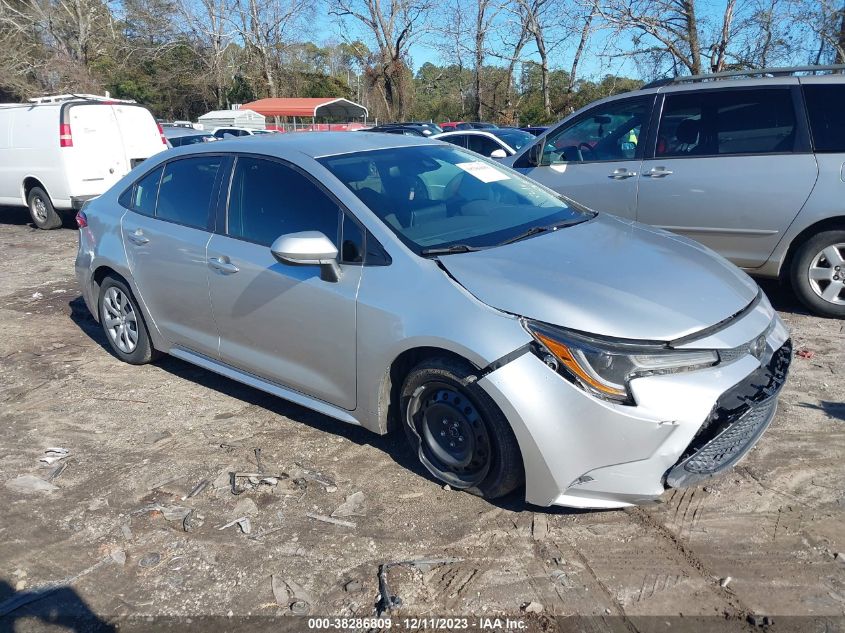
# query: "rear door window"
[827,119]
[481,144]
[142,197]
[269,199]
[727,122]
[186,190]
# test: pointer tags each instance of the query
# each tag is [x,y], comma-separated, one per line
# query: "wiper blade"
[534,230]
[452,248]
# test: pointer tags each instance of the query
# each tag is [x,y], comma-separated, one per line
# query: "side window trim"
[801,144]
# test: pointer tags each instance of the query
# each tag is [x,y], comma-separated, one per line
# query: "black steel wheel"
[457,431]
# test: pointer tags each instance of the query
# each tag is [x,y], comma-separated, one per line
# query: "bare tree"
[265,26]
[825,21]
[393,25]
[538,17]
[208,24]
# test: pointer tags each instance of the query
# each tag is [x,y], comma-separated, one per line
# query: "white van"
[57,152]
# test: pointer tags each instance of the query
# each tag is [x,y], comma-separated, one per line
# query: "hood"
[610,277]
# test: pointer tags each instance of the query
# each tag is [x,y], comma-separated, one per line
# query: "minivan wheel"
[41,210]
[457,431]
[818,273]
[123,323]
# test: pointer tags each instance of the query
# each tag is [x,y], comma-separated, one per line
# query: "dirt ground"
[760,541]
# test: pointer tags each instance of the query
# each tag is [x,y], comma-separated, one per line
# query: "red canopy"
[308,107]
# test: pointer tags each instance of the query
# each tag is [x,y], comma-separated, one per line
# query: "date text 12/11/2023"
[419,624]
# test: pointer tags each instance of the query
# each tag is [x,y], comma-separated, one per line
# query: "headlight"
[604,368]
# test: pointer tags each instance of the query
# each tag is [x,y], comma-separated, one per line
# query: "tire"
[822,258]
[128,337]
[457,431]
[41,210]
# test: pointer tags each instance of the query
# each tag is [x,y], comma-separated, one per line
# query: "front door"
[277,321]
[595,158]
[731,169]
[165,233]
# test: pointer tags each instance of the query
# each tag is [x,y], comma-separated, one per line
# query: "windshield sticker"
[483,171]
[560,168]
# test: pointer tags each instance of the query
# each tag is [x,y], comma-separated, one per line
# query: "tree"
[393,26]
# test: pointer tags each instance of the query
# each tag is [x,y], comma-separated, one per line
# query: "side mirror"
[534,156]
[498,153]
[308,248]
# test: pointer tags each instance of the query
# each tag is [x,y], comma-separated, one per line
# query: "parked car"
[750,166]
[178,136]
[435,129]
[451,126]
[235,132]
[388,280]
[496,143]
[57,152]
[534,130]
[408,129]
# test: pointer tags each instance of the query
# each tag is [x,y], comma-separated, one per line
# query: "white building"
[232,118]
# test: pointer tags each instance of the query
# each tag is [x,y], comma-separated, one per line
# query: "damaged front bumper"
[580,451]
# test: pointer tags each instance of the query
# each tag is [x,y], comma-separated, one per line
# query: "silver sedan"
[399,283]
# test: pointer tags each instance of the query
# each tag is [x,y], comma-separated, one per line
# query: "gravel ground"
[111,529]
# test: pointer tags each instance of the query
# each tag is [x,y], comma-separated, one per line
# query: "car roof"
[183,131]
[312,144]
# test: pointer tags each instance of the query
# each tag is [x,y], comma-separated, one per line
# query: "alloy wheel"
[120,320]
[827,274]
[39,209]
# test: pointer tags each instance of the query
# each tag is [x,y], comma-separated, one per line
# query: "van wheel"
[123,323]
[818,273]
[41,210]
[457,431]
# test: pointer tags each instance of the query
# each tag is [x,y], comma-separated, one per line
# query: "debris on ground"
[281,591]
[245,507]
[327,519]
[253,480]
[533,607]
[724,582]
[57,471]
[242,522]
[202,485]
[54,454]
[805,353]
[352,586]
[386,600]
[30,483]
[192,521]
[174,513]
[150,560]
[319,478]
[352,506]
[839,557]
[118,556]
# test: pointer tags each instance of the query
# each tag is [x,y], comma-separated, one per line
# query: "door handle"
[223,265]
[137,237]
[659,172]
[622,174]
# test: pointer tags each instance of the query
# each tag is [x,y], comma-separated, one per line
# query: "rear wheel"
[44,216]
[457,431]
[123,323]
[818,273]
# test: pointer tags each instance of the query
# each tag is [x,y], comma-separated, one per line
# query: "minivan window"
[269,199]
[436,196]
[608,132]
[725,122]
[144,193]
[827,122]
[186,189]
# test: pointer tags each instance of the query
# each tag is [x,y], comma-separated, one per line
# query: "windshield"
[515,138]
[435,196]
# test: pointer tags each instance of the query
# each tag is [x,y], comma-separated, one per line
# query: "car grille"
[736,423]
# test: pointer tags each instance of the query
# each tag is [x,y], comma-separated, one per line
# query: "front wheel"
[457,431]
[818,273]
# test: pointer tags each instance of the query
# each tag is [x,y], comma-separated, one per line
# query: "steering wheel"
[588,147]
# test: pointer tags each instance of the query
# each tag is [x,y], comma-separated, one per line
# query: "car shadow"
[19,216]
[835,410]
[60,606]
[393,444]
[782,297]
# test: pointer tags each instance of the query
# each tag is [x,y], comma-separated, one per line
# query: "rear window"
[827,120]
[186,189]
[141,197]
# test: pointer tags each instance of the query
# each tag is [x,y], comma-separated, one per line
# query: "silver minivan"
[390,281]
[753,167]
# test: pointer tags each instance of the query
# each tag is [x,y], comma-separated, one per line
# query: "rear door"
[139,133]
[166,233]
[730,167]
[97,159]
[595,157]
